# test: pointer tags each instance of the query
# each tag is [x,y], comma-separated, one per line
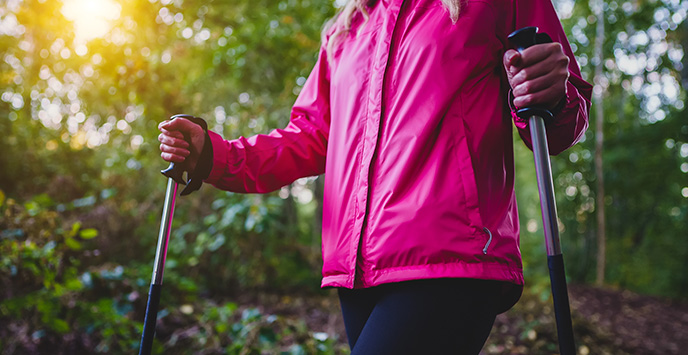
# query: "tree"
[599,141]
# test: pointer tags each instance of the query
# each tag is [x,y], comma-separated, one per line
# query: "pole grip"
[560,298]
[522,39]
[176,171]
[151,317]
[528,36]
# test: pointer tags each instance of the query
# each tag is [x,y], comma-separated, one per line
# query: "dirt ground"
[605,322]
[636,323]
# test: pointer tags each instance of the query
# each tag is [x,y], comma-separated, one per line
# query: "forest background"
[84,83]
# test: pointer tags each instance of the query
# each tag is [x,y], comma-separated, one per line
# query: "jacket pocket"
[464,159]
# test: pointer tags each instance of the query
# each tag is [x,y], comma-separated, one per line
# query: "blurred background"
[84,83]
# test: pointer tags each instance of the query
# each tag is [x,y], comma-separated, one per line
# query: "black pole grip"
[562,311]
[151,317]
[175,171]
[522,39]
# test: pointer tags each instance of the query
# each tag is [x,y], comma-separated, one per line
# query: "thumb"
[511,59]
[178,124]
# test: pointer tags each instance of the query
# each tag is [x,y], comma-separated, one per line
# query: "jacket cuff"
[519,122]
[522,122]
[566,105]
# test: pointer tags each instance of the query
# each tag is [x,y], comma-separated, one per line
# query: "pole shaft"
[158,269]
[560,298]
[543,171]
[151,317]
[165,228]
[555,259]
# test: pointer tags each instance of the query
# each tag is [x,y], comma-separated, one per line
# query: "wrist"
[556,109]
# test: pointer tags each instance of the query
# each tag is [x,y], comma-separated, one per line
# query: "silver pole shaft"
[165,228]
[543,171]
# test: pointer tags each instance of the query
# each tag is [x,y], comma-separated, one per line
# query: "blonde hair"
[355,6]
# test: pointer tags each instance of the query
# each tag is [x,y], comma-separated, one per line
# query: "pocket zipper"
[488,241]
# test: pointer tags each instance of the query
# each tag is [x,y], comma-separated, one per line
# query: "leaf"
[32,208]
[88,233]
[217,243]
[73,284]
[75,229]
[49,246]
[221,327]
[59,325]
[72,244]
[2,198]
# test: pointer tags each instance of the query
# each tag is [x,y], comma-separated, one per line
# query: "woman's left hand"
[538,75]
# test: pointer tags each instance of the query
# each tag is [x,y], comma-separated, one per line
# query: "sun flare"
[92,18]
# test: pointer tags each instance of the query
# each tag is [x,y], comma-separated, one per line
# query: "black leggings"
[438,316]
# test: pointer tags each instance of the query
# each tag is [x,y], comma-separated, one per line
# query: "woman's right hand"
[175,148]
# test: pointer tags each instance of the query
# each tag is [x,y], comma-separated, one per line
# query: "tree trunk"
[684,44]
[600,88]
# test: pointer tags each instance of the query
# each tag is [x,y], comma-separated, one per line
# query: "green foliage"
[226,329]
[243,243]
[645,149]
[52,289]
[49,291]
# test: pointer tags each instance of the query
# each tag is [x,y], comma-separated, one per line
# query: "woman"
[406,113]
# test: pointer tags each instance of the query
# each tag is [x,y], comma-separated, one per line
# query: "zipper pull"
[488,241]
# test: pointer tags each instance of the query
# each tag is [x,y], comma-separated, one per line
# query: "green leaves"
[643,111]
[70,239]
[88,233]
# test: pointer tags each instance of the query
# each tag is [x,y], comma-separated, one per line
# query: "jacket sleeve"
[266,162]
[571,120]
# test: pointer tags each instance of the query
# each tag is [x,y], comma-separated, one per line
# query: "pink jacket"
[410,123]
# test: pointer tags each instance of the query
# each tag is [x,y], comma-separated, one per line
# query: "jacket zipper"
[488,240]
[372,159]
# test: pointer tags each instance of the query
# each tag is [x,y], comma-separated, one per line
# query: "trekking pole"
[522,39]
[175,177]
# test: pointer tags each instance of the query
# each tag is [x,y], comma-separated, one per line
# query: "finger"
[552,65]
[178,124]
[176,134]
[178,154]
[511,60]
[174,150]
[547,98]
[541,59]
[553,81]
[173,141]
[172,158]
[180,128]
[540,52]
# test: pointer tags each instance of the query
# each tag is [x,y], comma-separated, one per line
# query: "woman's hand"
[538,75]
[175,148]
